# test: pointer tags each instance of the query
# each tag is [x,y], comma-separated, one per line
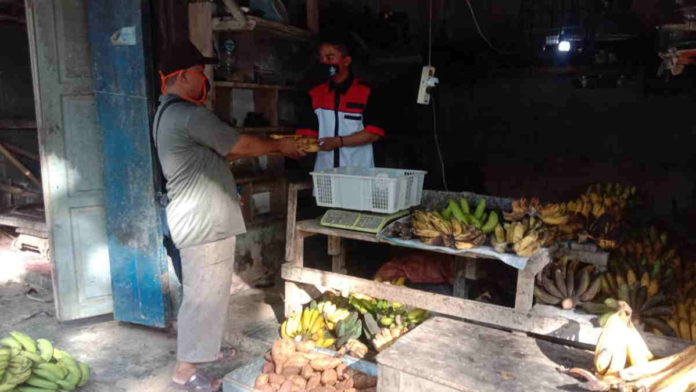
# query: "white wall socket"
[427,80]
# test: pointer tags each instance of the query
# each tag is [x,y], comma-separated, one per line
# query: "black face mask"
[328,70]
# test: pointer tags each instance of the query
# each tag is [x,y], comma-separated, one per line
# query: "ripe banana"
[611,352]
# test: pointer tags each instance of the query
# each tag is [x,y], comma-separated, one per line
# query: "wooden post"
[295,297]
[23,169]
[524,298]
[313,16]
[293,190]
[460,289]
[337,251]
[201,35]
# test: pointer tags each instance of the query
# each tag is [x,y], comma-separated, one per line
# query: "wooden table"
[466,266]
[444,355]
[303,284]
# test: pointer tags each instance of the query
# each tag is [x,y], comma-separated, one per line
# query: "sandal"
[200,381]
[226,354]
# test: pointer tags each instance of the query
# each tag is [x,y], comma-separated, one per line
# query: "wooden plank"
[313,15]
[313,226]
[229,24]
[201,34]
[19,165]
[448,355]
[17,190]
[21,151]
[488,314]
[293,190]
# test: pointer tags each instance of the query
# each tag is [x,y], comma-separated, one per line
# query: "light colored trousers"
[207,274]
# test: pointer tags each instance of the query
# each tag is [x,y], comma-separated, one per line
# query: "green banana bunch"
[28,365]
[347,329]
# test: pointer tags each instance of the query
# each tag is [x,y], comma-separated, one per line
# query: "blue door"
[119,42]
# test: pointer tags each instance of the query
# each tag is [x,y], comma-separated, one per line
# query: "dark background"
[509,124]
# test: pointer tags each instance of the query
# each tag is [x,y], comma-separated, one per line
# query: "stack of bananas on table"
[307,324]
[564,282]
[552,214]
[467,215]
[683,319]
[524,237]
[597,214]
[433,229]
[623,361]
[28,365]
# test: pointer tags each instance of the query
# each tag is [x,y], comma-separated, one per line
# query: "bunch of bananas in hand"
[306,143]
[307,324]
[524,237]
[563,282]
[435,230]
[28,365]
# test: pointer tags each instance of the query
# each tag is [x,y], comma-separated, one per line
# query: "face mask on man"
[204,81]
[328,70]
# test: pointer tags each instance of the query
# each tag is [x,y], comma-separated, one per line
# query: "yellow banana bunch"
[309,324]
[620,344]
[332,314]
[683,320]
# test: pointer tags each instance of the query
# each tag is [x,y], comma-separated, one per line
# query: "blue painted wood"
[138,261]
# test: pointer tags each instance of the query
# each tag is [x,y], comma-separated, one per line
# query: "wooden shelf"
[251,86]
[253,130]
[230,24]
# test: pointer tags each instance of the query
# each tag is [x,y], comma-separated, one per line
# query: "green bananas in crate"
[28,365]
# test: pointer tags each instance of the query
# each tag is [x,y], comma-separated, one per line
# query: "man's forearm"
[253,146]
[359,139]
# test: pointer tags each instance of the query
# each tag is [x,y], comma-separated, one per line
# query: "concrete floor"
[124,357]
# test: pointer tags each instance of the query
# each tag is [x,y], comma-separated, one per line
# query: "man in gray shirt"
[203,214]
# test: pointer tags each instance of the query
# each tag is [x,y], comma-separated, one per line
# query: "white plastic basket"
[368,189]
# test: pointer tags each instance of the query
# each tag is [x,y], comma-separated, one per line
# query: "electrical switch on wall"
[427,83]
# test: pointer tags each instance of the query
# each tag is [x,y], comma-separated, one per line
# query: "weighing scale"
[368,222]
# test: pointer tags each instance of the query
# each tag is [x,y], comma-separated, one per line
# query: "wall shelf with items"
[251,107]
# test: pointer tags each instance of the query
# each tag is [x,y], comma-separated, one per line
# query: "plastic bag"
[419,267]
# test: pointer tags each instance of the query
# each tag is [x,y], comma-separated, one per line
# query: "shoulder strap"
[158,116]
[162,183]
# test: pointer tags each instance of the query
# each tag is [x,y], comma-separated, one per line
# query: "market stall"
[568,267]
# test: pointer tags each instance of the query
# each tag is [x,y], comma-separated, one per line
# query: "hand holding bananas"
[624,362]
[28,365]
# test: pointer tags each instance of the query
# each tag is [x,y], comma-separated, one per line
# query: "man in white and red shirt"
[343,115]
